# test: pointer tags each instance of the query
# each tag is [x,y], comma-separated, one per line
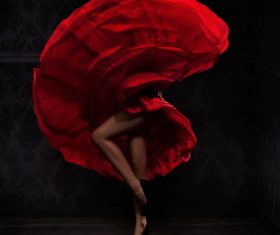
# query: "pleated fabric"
[104,56]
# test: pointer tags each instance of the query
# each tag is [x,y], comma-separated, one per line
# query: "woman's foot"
[140,225]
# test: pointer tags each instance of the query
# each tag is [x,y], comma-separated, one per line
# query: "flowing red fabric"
[100,59]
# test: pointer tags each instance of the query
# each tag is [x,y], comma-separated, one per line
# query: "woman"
[97,93]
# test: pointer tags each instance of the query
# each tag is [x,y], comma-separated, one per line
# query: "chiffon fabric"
[104,57]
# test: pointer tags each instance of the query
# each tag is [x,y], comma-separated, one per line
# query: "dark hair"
[149,91]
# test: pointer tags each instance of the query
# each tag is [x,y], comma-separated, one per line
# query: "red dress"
[100,60]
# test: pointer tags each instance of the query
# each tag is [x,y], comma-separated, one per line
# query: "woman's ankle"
[139,193]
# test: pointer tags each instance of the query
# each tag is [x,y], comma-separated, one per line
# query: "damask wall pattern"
[26,25]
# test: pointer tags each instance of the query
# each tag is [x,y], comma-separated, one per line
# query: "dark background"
[234,110]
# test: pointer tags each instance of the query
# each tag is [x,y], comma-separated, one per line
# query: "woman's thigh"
[120,123]
[137,143]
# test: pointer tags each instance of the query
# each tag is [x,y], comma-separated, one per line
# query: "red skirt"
[98,61]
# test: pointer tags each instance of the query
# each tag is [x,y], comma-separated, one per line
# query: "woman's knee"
[97,136]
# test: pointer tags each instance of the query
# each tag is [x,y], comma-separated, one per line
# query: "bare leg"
[120,123]
[138,149]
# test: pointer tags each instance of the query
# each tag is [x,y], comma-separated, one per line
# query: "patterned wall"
[268,147]
[223,105]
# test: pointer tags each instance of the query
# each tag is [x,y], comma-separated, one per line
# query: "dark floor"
[119,226]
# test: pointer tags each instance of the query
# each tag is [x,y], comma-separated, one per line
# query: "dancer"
[97,92]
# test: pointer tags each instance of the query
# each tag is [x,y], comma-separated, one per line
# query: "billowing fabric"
[104,57]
